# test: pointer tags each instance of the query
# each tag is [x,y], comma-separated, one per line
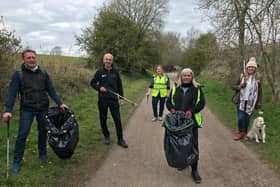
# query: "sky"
[43,25]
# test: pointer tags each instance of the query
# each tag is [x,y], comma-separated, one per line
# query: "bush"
[9,47]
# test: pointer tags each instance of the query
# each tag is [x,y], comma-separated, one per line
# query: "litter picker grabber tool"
[8,147]
[133,103]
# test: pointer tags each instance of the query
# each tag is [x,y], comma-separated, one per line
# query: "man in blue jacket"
[34,85]
[107,80]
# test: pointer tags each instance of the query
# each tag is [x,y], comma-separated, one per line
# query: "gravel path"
[223,161]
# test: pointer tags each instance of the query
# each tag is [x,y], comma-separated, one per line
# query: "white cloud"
[183,16]
[46,24]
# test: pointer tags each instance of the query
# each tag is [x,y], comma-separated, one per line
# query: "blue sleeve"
[51,91]
[12,92]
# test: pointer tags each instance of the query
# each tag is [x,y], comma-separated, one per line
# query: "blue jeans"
[25,122]
[155,101]
[243,120]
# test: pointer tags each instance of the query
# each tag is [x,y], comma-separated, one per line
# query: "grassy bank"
[89,153]
[218,97]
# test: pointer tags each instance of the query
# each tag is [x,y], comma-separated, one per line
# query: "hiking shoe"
[154,119]
[238,135]
[122,143]
[106,140]
[160,118]
[16,167]
[44,159]
[245,136]
[195,175]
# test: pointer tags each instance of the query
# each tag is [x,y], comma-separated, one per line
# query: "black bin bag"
[179,148]
[63,131]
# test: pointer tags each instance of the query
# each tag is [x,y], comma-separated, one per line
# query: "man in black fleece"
[105,80]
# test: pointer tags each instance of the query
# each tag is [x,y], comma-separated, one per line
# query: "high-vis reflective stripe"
[160,86]
[197,116]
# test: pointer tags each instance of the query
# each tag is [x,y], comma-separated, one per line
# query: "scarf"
[252,95]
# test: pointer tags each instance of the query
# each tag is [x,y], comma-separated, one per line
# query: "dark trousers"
[155,101]
[114,107]
[195,135]
[25,122]
[243,120]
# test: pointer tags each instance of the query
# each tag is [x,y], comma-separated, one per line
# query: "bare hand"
[6,116]
[121,101]
[102,89]
[63,107]
[243,85]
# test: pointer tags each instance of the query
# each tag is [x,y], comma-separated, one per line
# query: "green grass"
[218,99]
[89,153]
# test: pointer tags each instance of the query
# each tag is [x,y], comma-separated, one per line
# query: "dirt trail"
[223,162]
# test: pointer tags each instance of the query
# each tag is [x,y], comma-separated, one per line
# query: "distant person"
[188,97]
[34,85]
[105,80]
[159,86]
[249,98]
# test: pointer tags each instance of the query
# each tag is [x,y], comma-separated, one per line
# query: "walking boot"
[16,167]
[238,135]
[107,140]
[122,143]
[196,177]
[245,136]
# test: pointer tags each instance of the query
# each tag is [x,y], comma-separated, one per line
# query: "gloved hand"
[243,85]
[258,106]
[173,111]
[188,114]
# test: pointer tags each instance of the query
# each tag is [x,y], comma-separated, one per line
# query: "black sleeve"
[152,83]
[259,99]
[168,83]
[169,105]
[95,81]
[200,105]
[236,85]
[119,84]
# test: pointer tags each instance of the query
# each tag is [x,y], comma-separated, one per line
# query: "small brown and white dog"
[258,130]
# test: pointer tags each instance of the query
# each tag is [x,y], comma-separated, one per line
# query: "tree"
[9,47]
[264,29]
[170,49]
[255,25]
[201,52]
[115,33]
[229,19]
[56,51]
[9,44]
[148,14]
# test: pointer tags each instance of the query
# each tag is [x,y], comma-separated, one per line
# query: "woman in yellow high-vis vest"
[159,87]
[188,97]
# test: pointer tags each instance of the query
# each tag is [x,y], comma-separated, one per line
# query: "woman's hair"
[188,70]
[159,66]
